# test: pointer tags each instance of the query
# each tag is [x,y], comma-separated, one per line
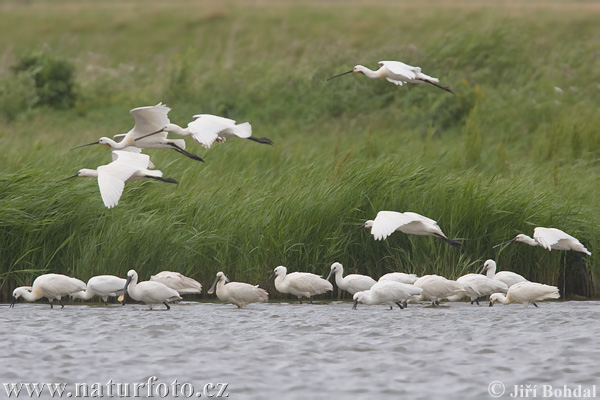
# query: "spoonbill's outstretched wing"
[149,119]
[387,222]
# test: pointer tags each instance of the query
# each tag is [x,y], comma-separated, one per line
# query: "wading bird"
[104,286]
[396,72]
[550,239]
[526,293]
[149,292]
[399,277]
[148,133]
[476,286]
[238,293]
[206,129]
[351,283]
[436,288]
[388,222]
[300,284]
[387,293]
[176,281]
[50,286]
[126,166]
[508,277]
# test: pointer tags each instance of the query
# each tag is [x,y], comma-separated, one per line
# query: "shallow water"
[304,351]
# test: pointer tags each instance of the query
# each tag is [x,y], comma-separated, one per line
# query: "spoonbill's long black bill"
[66,179]
[508,241]
[150,134]
[89,144]
[344,73]
[352,230]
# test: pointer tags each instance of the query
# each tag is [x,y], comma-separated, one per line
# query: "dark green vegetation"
[509,152]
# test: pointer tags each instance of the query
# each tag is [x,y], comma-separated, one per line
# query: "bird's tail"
[243,130]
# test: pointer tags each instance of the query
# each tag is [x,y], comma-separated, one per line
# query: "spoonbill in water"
[149,292]
[176,281]
[351,283]
[126,166]
[206,129]
[508,277]
[476,286]
[399,277]
[396,72]
[238,293]
[147,133]
[300,284]
[387,222]
[550,239]
[387,293]
[50,286]
[104,286]
[526,293]
[436,288]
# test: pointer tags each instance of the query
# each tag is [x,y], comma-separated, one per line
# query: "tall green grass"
[509,152]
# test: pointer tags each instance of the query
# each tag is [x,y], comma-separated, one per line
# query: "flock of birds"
[152,126]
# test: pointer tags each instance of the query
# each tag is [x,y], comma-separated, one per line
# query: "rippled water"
[306,351]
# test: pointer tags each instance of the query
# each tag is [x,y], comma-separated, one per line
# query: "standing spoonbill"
[104,286]
[126,166]
[149,292]
[177,281]
[399,277]
[550,239]
[300,284]
[436,288]
[206,129]
[526,293]
[50,286]
[387,293]
[508,277]
[387,222]
[238,293]
[351,283]
[397,73]
[147,133]
[476,286]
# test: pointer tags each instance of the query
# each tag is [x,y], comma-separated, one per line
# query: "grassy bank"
[517,147]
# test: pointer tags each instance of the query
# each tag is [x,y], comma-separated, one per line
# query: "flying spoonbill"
[508,277]
[388,293]
[126,166]
[436,288]
[50,286]
[476,286]
[149,292]
[387,222]
[351,283]
[104,286]
[550,239]
[525,293]
[177,281]
[399,277]
[397,73]
[147,133]
[300,284]
[238,293]
[206,129]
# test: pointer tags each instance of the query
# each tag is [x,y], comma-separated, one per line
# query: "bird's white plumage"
[149,292]
[149,119]
[387,293]
[238,293]
[351,283]
[508,277]
[300,284]
[387,222]
[206,129]
[179,282]
[526,293]
[437,287]
[552,238]
[477,285]
[104,286]
[50,286]
[399,277]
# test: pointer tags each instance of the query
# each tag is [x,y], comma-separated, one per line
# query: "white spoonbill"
[388,293]
[300,284]
[177,281]
[149,292]
[396,72]
[206,129]
[476,286]
[399,277]
[147,133]
[526,293]
[50,286]
[508,277]
[104,286]
[126,166]
[238,293]
[550,239]
[351,283]
[387,222]
[436,288]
